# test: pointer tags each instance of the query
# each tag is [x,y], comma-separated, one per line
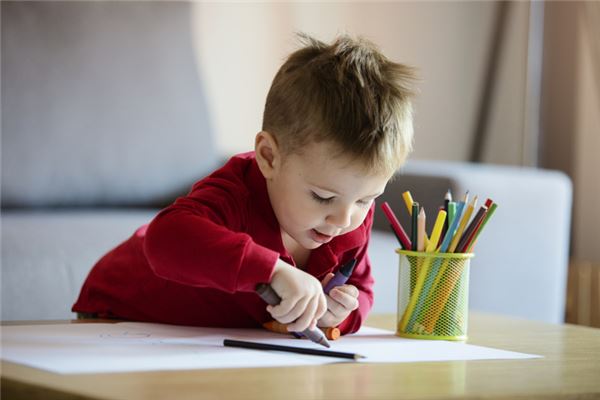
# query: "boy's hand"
[302,298]
[341,301]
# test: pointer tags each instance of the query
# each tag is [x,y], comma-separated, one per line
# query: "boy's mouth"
[320,237]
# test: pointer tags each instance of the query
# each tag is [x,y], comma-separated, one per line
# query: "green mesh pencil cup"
[433,295]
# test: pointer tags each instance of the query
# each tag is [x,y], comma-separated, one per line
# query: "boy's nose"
[342,217]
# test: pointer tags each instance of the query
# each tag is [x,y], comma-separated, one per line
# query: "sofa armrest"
[521,258]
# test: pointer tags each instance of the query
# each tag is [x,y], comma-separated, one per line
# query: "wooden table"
[570,369]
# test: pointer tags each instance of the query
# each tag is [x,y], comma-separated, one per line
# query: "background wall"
[571,113]
[448,42]
[240,46]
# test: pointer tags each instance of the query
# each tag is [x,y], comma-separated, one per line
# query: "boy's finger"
[296,312]
[347,301]
[322,308]
[305,319]
[285,307]
[327,278]
[349,289]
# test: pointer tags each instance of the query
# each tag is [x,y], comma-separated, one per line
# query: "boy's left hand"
[341,301]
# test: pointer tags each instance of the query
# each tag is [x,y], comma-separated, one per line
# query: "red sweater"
[198,261]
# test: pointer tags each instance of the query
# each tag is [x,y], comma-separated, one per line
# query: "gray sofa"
[105,122]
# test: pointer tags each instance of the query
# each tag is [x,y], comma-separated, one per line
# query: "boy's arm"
[362,279]
[195,241]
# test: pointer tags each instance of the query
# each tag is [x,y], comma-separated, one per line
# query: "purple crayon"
[341,276]
[266,292]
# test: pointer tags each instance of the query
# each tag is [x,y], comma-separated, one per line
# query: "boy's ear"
[267,152]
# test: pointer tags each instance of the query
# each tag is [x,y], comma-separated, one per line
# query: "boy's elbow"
[155,246]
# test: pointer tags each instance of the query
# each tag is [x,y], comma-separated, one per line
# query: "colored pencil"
[408,201]
[414,226]
[485,221]
[447,200]
[461,227]
[421,223]
[446,242]
[410,308]
[290,349]
[401,234]
[468,236]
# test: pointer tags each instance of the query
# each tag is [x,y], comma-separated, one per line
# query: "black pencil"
[414,222]
[301,350]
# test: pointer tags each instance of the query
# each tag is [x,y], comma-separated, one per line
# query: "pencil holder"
[433,295]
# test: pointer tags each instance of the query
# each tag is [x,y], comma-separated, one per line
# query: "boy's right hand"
[302,299]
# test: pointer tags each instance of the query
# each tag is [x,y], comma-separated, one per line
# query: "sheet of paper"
[131,346]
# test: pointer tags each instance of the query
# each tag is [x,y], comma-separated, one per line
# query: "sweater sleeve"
[198,240]
[363,280]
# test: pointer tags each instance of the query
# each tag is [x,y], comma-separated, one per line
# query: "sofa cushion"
[101,104]
[46,256]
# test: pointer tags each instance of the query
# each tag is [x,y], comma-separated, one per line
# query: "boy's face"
[316,197]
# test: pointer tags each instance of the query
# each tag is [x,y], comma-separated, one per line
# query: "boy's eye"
[364,203]
[321,199]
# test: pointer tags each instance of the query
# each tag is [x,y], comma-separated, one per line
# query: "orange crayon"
[332,333]
[276,327]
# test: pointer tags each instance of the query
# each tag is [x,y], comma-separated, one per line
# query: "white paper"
[132,346]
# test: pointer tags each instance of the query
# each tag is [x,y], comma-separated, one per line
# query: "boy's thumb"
[327,278]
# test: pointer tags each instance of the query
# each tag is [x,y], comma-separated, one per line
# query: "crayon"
[331,333]
[266,292]
[278,327]
[341,276]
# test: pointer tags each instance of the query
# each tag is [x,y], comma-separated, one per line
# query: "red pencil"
[400,233]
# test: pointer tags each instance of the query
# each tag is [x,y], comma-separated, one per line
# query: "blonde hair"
[347,93]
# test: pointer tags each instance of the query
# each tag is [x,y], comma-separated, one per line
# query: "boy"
[337,124]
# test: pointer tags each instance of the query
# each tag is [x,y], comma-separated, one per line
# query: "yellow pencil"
[443,293]
[408,201]
[435,236]
[437,231]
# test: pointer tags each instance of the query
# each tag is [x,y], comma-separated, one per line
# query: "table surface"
[570,369]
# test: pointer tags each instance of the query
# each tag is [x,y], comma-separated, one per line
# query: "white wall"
[240,46]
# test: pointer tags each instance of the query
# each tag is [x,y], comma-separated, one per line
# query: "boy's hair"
[348,94]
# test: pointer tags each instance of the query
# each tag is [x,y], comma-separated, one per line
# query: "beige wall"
[586,169]
[242,45]
[571,113]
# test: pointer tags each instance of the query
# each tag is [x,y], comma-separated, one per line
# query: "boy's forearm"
[194,251]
